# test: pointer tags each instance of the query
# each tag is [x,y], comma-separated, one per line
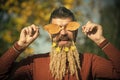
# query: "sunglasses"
[54,28]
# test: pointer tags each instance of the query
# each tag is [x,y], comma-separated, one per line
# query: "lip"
[63,42]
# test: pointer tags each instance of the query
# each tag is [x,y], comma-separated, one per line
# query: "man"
[63,62]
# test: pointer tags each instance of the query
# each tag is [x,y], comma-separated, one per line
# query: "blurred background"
[17,14]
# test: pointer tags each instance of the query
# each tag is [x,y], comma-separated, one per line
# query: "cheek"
[55,37]
[70,34]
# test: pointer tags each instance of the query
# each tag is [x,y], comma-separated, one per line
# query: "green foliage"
[16,14]
[110,17]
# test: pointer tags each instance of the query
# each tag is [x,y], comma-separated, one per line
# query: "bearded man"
[63,62]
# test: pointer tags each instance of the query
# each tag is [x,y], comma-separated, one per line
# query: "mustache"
[64,38]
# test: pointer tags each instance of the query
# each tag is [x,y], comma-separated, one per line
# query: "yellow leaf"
[24,4]
[66,49]
[68,1]
[53,44]
[29,51]
[7,36]
[58,49]
[72,48]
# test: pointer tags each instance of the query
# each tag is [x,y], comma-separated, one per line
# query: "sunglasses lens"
[52,28]
[73,26]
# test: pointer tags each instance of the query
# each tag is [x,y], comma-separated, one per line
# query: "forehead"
[61,21]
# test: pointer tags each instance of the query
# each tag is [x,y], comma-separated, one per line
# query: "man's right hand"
[28,35]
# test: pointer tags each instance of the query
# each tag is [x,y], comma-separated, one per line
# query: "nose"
[63,32]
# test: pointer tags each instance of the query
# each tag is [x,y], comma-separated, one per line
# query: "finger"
[92,27]
[89,27]
[83,30]
[23,32]
[86,29]
[33,27]
[36,33]
[30,31]
[26,31]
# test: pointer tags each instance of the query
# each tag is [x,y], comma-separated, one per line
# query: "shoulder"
[91,56]
[87,58]
[30,59]
[87,55]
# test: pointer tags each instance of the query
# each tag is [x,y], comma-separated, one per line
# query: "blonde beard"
[64,60]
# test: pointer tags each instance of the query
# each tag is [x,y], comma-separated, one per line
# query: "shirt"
[36,67]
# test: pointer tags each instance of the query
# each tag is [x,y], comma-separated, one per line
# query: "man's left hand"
[94,32]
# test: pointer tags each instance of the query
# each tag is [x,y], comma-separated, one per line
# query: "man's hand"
[94,32]
[28,35]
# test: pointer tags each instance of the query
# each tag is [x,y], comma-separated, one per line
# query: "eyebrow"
[63,25]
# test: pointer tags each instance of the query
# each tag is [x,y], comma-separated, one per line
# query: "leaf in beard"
[66,49]
[58,49]
[54,44]
[72,48]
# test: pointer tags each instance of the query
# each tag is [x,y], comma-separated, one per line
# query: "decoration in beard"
[54,28]
[66,48]
[64,60]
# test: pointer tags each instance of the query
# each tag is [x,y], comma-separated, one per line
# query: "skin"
[26,36]
[96,36]
[92,30]
[62,23]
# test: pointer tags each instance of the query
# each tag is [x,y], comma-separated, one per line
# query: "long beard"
[64,60]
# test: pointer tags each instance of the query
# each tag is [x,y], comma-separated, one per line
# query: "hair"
[62,12]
